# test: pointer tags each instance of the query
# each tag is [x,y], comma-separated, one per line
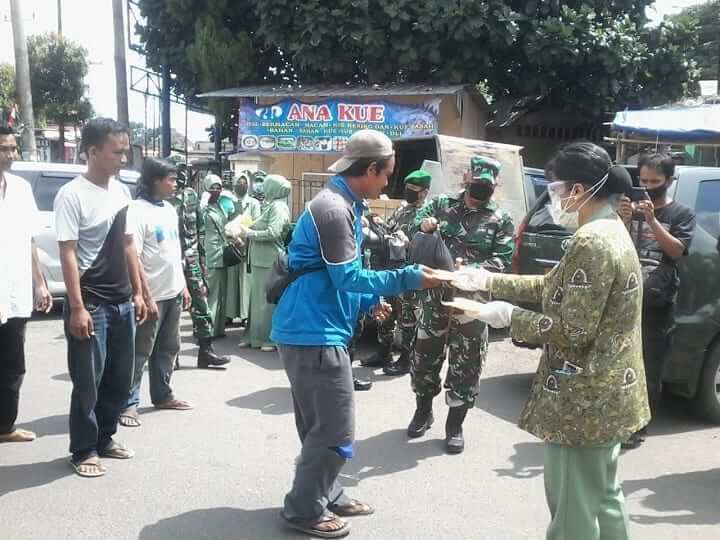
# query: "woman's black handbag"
[232,253]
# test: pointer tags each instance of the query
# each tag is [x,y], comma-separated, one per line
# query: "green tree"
[706,51]
[58,68]
[7,89]
[589,56]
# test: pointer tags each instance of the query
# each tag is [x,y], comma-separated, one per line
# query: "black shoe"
[422,419]
[361,386]
[400,367]
[207,357]
[635,440]
[381,358]
[454,441]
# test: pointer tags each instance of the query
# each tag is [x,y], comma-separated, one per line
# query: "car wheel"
[708,395]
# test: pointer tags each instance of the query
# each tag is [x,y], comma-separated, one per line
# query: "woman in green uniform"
[213,219]
[589,392]
[266,238]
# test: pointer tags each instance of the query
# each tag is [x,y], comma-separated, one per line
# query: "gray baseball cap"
[364,144]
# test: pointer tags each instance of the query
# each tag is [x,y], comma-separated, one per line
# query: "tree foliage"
[705,18]
[7,88]
[58,68]
[589,56]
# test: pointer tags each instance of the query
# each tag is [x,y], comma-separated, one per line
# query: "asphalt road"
[221,470]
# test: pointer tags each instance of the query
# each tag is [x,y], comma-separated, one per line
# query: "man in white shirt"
[154,223]
[18,272]
[102,274]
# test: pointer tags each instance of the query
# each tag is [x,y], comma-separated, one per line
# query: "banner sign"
[325,126]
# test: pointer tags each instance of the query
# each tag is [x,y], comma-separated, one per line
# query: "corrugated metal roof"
[338,90]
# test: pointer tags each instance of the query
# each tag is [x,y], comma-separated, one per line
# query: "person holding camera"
[661,230]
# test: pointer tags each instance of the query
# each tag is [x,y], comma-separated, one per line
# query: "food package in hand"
[234,229]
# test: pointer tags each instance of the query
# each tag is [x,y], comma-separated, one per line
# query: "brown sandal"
[310,527]
[354,509]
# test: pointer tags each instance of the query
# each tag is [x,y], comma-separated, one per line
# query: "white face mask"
[564,218]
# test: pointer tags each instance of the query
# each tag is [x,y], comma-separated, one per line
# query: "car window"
[538,182]
[707,207]
[46,188]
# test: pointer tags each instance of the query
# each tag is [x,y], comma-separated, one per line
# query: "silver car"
[46,179]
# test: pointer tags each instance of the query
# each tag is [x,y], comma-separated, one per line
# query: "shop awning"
[686,124]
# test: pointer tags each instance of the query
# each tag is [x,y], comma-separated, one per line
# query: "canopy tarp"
[686,124]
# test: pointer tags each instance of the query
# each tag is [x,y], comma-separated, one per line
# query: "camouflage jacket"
[403,219]
[187,204]
[481,237]
[590,386]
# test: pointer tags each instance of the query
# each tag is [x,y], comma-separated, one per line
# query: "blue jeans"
[101,370]
[157,343]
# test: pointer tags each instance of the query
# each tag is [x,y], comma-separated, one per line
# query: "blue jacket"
[321,308]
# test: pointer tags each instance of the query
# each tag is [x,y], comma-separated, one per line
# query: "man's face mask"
[241,189]
[658,193]
[412,196]
[480,191]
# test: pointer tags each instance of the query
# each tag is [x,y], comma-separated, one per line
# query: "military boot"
[454,441]
[423,417]
[401,366]
[207,357]
[381,358]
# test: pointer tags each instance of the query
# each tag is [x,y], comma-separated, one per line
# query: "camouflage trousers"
[199,312]
[465,341]
[405,317]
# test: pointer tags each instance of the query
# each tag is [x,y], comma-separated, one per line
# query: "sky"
[89,22]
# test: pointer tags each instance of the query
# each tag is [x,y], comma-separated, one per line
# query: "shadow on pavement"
[275,400]
[390,452]
[30,475]
[527,462]
[265,360]
[48,426]
[65,377]
[504,396]
[683,499]
[223,522]
[677,415]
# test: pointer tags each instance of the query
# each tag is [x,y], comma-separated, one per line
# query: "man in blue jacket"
[314,322]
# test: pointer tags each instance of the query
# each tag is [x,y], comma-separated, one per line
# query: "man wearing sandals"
[102,275]
[313,324]
[154,224]
[19,272]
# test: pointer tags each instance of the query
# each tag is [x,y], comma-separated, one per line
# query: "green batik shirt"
[186,203]
[589,388]
[480,237]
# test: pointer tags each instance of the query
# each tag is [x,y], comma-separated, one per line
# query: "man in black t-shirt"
[662,230]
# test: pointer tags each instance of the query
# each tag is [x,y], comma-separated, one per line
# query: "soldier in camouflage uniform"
[186,203]
[417,185]
[480,233]
[589,392]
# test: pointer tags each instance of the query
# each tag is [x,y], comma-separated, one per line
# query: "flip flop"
[175,404]
[100,469]
[354,509]
[115,450]
[129,418]
[309,527]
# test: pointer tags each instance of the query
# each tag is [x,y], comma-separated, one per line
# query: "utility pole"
[22,81]
[165,112]
[59,15]
[123,116]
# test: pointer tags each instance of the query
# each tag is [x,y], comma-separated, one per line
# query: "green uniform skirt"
[258,333]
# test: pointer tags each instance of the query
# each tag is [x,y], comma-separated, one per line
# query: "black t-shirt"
[675,218]
[659,270]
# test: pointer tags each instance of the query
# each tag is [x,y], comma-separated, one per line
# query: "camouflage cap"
[485,169]
[419,178]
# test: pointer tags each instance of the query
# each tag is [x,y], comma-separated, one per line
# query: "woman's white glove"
[472,279]
[496,314]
